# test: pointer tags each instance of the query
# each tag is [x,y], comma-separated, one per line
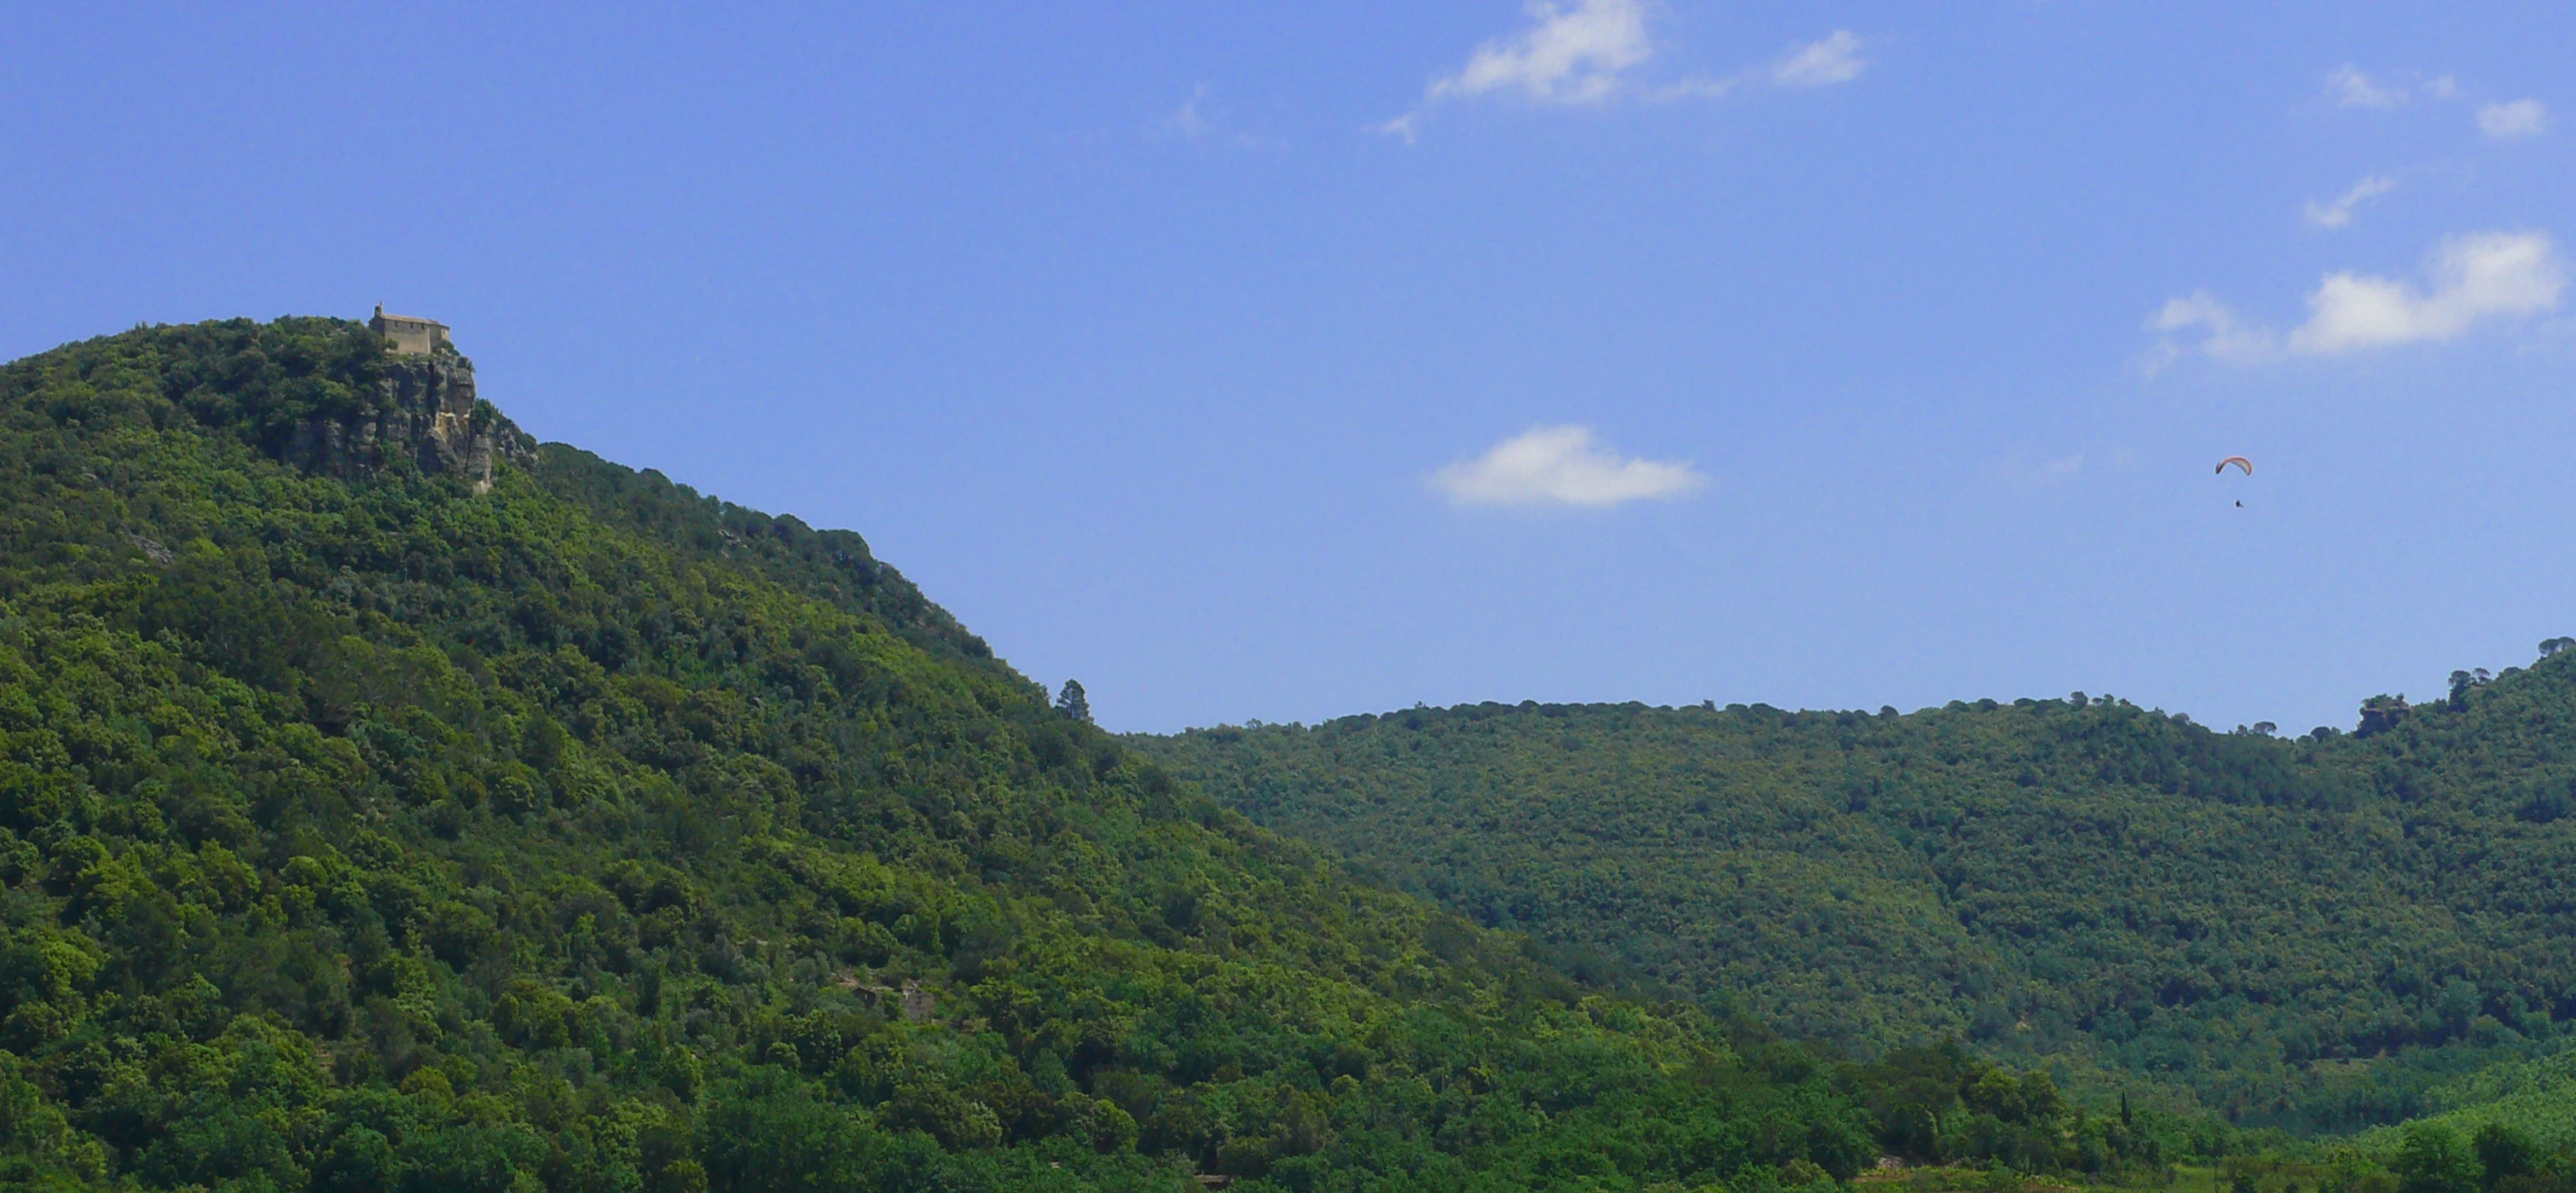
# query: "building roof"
[410,319]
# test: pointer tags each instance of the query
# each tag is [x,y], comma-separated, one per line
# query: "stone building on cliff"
[410,333]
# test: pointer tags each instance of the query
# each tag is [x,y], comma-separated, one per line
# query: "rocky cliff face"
[423,410]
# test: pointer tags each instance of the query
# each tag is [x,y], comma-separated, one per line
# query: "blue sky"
[1282,362]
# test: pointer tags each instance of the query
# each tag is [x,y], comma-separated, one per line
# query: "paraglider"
[2244,465]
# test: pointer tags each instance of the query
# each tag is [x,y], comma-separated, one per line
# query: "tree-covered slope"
[364,829]
[2536,1098]
[2305,932]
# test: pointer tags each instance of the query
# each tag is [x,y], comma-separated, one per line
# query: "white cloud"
[1836,59]
[2521,118]
[2339,213]
[1561,466]
[1573,54]
[2442,87]
[2226,338]
[1578,52]
[2353,89]
[2488,274]
[2475,278]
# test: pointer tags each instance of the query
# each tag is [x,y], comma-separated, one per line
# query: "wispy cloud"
[1572,54]
[1188,123]
[2474,279]
[1836,59]
[2223,336]
[2339,213]
[2512,121]
[1561,466]
[1201,121]
[1589,52]
[2353,88]
[1407,126]
[1696,88]
[2507,120]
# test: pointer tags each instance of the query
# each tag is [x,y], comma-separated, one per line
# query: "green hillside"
[2536,1097]
[388,803]
[2309,933]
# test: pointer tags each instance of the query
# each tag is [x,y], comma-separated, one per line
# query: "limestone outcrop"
[424,410]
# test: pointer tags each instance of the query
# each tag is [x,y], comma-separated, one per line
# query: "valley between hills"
[391,802]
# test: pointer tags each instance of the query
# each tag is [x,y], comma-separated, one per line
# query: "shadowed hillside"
[2307,932]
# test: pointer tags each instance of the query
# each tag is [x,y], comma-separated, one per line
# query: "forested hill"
[387,803]
[2306,932]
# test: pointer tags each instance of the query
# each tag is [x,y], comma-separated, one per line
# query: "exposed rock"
[151,548]
[424,410]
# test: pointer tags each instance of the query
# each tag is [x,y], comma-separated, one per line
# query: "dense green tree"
[2432,1160]
[2504,1154]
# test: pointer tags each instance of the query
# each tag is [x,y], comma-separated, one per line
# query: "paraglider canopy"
[2239,461]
